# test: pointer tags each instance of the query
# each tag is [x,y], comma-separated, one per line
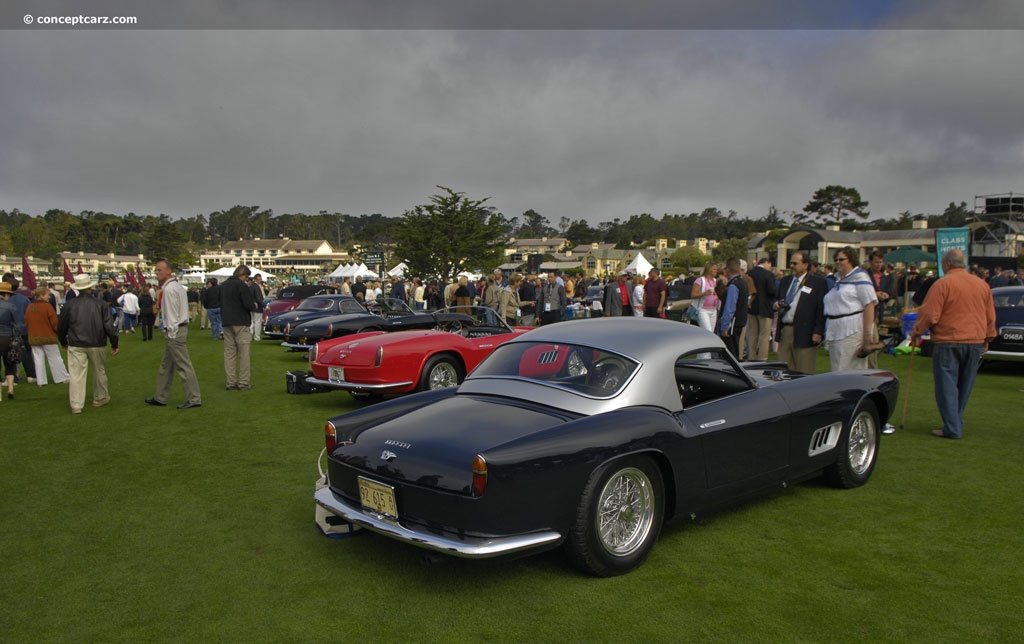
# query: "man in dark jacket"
[211,303]
[21,302]
[193,303]
[801,306]
[236,306]
[759,323]
[256,285]
[83,329]
[734,310]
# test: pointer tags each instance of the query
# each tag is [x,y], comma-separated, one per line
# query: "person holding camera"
[801,307]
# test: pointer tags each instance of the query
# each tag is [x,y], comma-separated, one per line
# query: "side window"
[707,375]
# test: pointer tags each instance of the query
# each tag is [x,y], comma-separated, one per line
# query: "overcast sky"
[585,124]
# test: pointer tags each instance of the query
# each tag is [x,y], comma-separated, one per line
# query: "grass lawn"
[135,523]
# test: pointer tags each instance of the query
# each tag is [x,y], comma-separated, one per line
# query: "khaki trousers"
[237,340]
[759,335]
[177,360]
[79,359]
[802,359]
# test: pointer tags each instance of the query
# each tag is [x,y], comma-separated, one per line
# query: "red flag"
[68,277]
[80,271]
[130,278]
[28,278]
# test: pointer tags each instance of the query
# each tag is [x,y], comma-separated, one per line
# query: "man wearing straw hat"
[83,328]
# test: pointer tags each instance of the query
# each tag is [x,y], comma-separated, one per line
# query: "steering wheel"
[607,374]
[576,366]
[452,326]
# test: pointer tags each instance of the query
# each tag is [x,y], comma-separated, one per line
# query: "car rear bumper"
[1003,356]
[355,386]
[468,547]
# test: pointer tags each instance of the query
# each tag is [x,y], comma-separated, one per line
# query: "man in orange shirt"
[962,317]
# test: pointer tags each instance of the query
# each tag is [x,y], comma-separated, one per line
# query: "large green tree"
[832,204]
[450,234]
[729,248]
[686,258]
[534,226]
[166,242]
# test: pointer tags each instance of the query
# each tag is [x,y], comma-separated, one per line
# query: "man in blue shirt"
[734,310]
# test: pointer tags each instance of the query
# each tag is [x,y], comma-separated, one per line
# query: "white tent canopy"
[227,271]
[341,271]
[639,265]
[398,271]
[352,271]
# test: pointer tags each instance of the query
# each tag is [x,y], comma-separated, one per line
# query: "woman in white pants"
[41,320]
[636,300]
[704,292]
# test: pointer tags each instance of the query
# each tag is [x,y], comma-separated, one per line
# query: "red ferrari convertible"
[372,363]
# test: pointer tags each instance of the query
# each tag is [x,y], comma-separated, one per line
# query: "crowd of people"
[841,306]
[90,314]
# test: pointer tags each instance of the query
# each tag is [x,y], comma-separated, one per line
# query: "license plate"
[377,497]
[1012,335]
[303,341]
[336,374]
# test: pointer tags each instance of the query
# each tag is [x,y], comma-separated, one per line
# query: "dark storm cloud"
[529,14]
[582,124]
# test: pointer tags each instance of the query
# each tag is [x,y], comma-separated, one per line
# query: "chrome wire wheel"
[860,448]
[625,512]
[442,375]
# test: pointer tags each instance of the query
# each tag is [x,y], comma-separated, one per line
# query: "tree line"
[419,232]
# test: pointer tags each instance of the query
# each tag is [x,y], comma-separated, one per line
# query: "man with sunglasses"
[801,307]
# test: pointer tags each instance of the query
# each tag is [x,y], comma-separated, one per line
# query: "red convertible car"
[376,362]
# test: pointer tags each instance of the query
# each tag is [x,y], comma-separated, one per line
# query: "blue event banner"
[949,238]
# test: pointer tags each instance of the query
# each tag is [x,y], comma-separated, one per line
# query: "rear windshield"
[316,304]
[584,370]
[302,292]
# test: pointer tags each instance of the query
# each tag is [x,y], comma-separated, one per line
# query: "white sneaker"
[889,429]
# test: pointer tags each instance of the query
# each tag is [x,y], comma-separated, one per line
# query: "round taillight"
[330,436]
[479,475]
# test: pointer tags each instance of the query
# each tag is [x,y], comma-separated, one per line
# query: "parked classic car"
[288,297]
[383,314]
[311,308]
[405,361]
[1009,342]
[590,434]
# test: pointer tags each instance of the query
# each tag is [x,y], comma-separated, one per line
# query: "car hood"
[435,445]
